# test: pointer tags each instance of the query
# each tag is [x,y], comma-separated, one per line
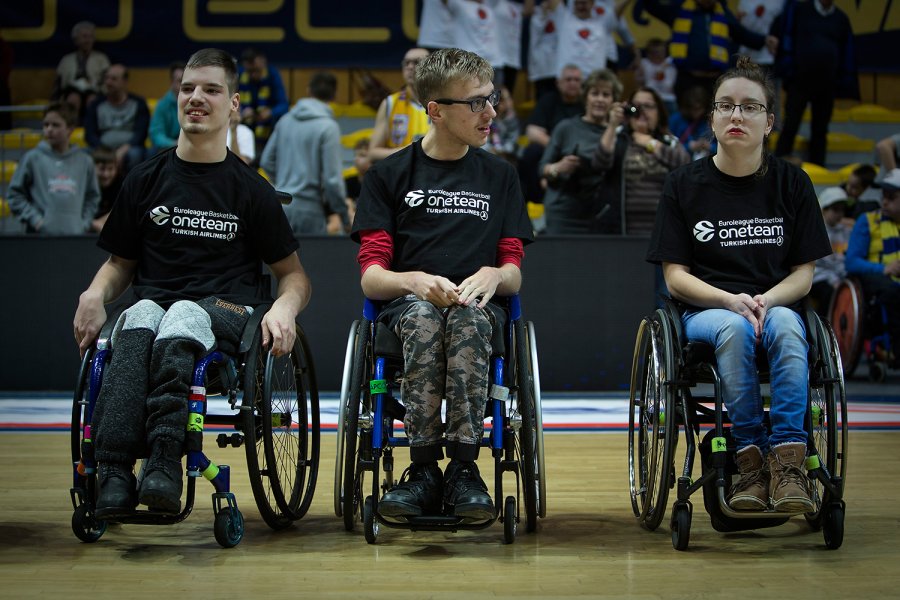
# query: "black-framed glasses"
[476,104]
[748,109]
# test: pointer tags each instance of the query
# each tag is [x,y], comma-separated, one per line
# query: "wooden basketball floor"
[589,545]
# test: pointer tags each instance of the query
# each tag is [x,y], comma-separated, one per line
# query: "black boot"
[466,493]
[163,479]
[417,494]
[117,490]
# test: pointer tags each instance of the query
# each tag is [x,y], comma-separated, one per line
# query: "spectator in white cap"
[873,254]
[830,269]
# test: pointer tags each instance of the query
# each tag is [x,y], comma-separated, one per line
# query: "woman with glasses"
[636,153]
[738,235]
[571,203]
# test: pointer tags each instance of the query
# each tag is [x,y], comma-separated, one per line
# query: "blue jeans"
[784,340]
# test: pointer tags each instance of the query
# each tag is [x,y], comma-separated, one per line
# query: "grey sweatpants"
[146,384]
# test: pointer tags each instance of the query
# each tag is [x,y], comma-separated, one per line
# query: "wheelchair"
[275,416]
[859,326]
[665,398]
[370,406]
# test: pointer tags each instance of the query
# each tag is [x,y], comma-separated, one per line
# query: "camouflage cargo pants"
[446,354]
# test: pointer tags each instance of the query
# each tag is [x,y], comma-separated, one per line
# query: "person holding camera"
[571,203]
[635,154]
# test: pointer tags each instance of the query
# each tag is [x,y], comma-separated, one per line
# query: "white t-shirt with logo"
[738,234]
[543,32]
[758,16]
[475,29]
[445,217]
[584,43]
[435,25]
[509,26]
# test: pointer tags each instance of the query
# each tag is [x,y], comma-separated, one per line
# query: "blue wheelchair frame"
[228,520]
[517,447]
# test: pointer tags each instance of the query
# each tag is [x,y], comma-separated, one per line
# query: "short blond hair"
[443,68]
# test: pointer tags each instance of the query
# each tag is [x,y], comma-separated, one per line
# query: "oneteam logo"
[160,215]
[704,231]
[414,198]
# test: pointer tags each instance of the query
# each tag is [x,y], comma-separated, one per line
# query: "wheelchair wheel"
[228,527]
[652,424]
[86,526]
[828,407]
[509,520]
[281,427]
[79,404]
[349,486]
[681,526]
[370,523]
[848,317]
[833,527]
[531,433]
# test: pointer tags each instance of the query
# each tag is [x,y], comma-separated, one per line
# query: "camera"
[631,111]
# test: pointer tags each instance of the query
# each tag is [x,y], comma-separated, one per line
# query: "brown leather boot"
[751,492]
[790,487]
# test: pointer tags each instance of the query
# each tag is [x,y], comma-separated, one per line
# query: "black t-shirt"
[550,110]
[198,230]
[445,217]
[739,234]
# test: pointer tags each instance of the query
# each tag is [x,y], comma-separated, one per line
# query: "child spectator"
[110,180]
[691,123]
[353,184]
[861,196]
[657,72]
[54,189]
[505,130]
[830,269]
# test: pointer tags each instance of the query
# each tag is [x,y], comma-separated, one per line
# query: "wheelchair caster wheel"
[85,526]
[509,520]
[229,527]
[370,525]
[681,527]
[833,527]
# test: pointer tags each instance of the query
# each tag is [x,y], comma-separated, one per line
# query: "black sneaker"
[466,493]
[418,493]
[117,497]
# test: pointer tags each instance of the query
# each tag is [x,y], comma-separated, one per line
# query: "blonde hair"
[443,68]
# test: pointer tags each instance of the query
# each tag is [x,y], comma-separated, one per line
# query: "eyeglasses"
[748,109]
[476,104]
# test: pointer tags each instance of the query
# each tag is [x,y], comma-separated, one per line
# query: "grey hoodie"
[57,192]
[303,158]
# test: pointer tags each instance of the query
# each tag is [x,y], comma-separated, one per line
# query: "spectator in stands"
[240,139]
[565,102]
[118,120]
[700,56]
[475,29]
[353,183]
[303,158]
[817,63]
[6,65]
[632,57]
[572,203]
[830,269]
[758,16]
[109,179]
[888,151]
[54,189]
[585,35]
[263,97]
[79,74]
[400,119]
[657,72]
[873,254]
[435,26]
[635,153]
[862,197]
[543,38]
[164,127]
[691,123]
[505,129]
[509,17]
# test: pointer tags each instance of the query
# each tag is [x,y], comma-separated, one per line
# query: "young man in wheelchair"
[189,232]
[738,235]
[442,226]
[873,255]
